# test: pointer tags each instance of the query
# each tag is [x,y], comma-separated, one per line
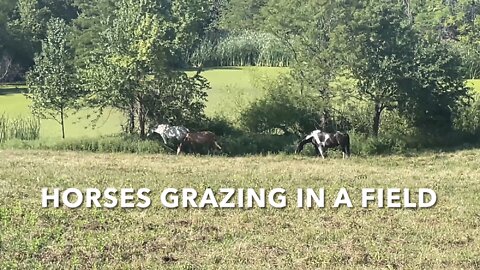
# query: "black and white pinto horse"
[323,140]
[170,132]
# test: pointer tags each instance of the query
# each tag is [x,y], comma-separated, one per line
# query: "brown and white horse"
[323,140]
[199,139]
[170,132]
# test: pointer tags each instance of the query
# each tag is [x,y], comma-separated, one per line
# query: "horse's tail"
[347,144]
[217,145]
[182,143]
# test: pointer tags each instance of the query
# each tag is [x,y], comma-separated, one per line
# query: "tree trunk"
[62,122]
[131,119]
[141,119]
[376,120]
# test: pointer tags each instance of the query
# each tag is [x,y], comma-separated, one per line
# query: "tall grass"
[246,49]
[19,128]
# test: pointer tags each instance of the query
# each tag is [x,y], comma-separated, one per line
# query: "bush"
[113,144]
[283,109]
[251,144]
[467,120]
[363,145]
[219,125]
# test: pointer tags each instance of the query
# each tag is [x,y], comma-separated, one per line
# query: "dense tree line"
[348,59]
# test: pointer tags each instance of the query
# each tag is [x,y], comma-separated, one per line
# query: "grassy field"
[232,88]
[443,237]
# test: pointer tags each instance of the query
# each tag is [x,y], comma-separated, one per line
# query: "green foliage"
[397,68]
[176,98]
[458,23]
[470,55]
[439,89]
[132,72]
[219,125]
[247,48]
[88,26]
[315,36]
[28,26]
[254,144]
[283,109]
[110,144]
[19,128]
[52,84]
[467,120]
[383,50]
[239,15]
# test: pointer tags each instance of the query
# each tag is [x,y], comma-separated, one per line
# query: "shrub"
[467,120]
[219,125]
[283,109]
[112,144]
[251,144]
[363,145]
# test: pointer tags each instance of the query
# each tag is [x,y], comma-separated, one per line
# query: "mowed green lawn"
[446,236]
[232,88]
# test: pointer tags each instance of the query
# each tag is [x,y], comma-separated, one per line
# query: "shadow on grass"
[232,146]
[439,149]
[192,69]
[12,89]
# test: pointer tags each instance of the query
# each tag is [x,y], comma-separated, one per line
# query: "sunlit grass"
[445,236]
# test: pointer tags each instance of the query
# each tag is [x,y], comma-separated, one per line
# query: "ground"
[443,237]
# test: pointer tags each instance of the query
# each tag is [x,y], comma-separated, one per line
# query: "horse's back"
[201,135]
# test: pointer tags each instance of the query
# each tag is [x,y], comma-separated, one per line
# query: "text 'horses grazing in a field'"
[323,140]
[199,139]
[170,132]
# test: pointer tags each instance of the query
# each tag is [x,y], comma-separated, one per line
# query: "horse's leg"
[179,149]
[320,149]
[164,139]
[344,151]
[193,148]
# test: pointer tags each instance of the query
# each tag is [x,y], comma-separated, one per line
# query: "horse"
[323,140]
[170,132]
[196,139]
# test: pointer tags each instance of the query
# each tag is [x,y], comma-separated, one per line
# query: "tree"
[315,34]
[131,70]
[240,15]
[27,26]
[438,90]
[52,82]
[383,48]
[88,27]
[398,68]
